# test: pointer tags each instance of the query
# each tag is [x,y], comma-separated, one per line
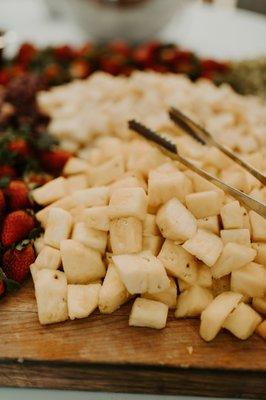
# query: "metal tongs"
[170,150]
[201,135]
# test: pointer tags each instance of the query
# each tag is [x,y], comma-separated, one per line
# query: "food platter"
[121,228]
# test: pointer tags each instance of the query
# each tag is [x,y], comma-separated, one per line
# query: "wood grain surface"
[104,353]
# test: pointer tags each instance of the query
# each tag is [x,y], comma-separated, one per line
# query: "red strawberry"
[19,146]
[54,160]
[2,288]
[26,53]
[17,193]
[79,69]
[6,170]
[2,203]
[16,263]
[64,52]
[16,226]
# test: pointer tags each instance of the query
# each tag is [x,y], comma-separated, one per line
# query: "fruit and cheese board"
[146,277]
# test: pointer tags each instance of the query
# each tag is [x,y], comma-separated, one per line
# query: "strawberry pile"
[57,65]
[27,160]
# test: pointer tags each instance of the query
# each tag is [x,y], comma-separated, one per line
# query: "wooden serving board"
[104,353]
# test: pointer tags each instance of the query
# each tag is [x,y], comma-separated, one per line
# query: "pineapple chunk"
[182,285]
[51,296]
[90,237]
[249,280]
[90,197]
[176,222]
[204,204]
[78,213]
[126,235]
[261,253]
[82,300]
[193,301]
[58,227]
[128,181]
[141,273]
[149,226]
[106,172]
[259,304]
[236,178]
[39,244]
[97,218]
[81,264]
[75,165]
[128,202]
[168,296]
[76,182]
[233,256]
[204,278]
[232,215]
[209,224]
[66,203]
[213,317]
[148,313]
[201,184]
[165,186]
[240,236]
[152,243]
[261,329]
[50,192]
[206,246]
[258,226]
[242,322]
[113,292]
[178,262]
[49,258]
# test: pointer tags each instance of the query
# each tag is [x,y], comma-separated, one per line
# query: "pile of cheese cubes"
[132,225]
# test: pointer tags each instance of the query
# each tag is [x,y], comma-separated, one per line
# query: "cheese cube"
[51,296]
[50,192]
[113,292]
[176,222]
[258,226]
[204,204]
[97,218]
[209,224]
[90,197]
[141,273]
[233,256]
[149,226]
[164,186]
[130,202]
[148,313]
[240,236]
[90,237]
[259,304]
[76,182]
[82,300]
[81,264]
[242,322]
[249,280]
[206,246]
[58,227]
[167,296]
[213,317]
[126,235]
[152,243]
[193,301]
[49,258]
[232,215]
[261,253]
[178,262]
[106,172]
[75,165]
